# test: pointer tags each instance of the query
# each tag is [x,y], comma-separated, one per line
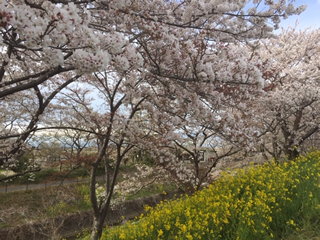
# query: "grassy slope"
[268,202]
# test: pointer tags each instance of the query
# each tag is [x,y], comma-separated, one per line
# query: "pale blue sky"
[309,18]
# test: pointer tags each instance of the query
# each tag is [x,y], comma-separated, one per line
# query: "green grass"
[309,231]
[273,201]
[47,175]
[24,206]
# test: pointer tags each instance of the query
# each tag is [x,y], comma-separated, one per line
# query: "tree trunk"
[97,228]
[97,225]
[292,153]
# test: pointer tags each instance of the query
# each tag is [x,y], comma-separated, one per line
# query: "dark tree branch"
[34,83]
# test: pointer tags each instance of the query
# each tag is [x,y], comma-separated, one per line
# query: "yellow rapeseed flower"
[160,233]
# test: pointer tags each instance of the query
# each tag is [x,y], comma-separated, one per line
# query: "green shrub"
[44,174]
[80,172]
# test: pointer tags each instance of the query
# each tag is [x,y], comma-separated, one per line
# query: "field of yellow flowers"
[258,202]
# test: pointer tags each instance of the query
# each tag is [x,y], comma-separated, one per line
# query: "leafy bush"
[259,202]
[84,191]
[80,172]
[24,162]
[44,174]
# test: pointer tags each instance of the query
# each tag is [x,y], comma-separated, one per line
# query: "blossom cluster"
[88,62]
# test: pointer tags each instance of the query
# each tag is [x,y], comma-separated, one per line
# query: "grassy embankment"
[272,201]
[21,207]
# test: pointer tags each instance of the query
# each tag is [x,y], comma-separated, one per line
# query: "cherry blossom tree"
[111,124]
[193,48]
[196,121]
[45,46]
[289,108]
[201,139]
